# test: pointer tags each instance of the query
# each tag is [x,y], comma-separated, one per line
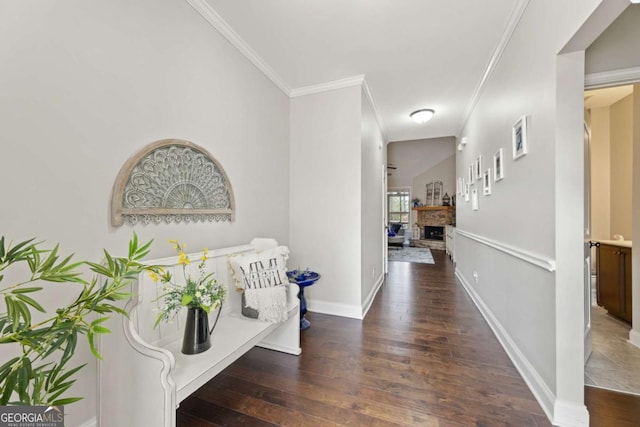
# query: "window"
[398,207]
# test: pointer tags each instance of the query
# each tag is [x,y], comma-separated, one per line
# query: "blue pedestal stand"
[303,280]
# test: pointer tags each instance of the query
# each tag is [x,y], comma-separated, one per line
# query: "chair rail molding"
[538,261]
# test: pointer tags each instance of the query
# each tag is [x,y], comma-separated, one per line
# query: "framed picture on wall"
[519,138]
[498,166]
[474,199]
[470,173]
[467,190]
[486,182]
[478,168]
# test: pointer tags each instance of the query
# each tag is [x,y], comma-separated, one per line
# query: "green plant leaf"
[33,303]
[186,299]
[92,345]
[16,253]
[25,290]
[8,387]
[66,401]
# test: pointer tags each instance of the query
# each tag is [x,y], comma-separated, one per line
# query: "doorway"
[613,362]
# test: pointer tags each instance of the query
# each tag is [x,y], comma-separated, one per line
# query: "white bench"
[143,376]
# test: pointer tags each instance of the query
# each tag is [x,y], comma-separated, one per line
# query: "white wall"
[536,312]
[413,157]
[87,84]
[373,194]
[611,51]
[326,197]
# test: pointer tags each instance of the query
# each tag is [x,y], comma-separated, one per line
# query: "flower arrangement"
[203,291]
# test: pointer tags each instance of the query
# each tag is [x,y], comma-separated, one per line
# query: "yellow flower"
[153,276]
[184,259]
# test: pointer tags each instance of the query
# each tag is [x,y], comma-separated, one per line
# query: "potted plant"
[41,373]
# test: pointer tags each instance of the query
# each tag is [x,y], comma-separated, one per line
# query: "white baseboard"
[569,414]
[346,310]
[634,337]
[538,387]
[366,305]
[93,422]
[335,309]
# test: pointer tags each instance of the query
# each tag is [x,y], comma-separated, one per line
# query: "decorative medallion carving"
[171,180]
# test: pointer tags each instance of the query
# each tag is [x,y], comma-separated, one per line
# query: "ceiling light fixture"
[422,116]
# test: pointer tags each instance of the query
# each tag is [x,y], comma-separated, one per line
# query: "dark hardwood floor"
[423,356]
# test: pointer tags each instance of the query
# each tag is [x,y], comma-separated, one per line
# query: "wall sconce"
[463,143]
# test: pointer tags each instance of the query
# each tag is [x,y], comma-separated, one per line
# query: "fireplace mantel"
[433,208]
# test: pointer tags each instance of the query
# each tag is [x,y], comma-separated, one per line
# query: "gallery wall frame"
[478,168]
[486,182]
[519,139]
[498,165]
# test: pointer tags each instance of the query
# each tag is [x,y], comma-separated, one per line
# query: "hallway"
[423,356]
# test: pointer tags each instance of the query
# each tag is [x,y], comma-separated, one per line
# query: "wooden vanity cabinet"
[614,280]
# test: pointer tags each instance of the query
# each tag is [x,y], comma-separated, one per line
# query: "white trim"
[366,305]
[93,422]
[569,414]
[538,387]
[335,309]
[611,78]
[634,337]
[216,21]
[324,87]
[521,254]
[376,111]
[514,19]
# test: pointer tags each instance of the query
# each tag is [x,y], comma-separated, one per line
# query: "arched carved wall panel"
[171,180]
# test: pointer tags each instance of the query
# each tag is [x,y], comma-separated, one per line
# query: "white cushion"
[262,269]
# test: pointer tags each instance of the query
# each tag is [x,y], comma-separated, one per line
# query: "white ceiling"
[413,53]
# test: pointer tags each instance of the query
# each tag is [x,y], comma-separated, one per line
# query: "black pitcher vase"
[197,335]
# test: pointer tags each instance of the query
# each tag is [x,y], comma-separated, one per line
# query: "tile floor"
[614,363]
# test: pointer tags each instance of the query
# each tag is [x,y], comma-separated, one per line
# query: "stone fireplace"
[431,222]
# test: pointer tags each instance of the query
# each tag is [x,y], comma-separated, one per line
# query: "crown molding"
[376,112]
[324,87]
[358,80]
[514,19]
[216,21]
[612,78]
